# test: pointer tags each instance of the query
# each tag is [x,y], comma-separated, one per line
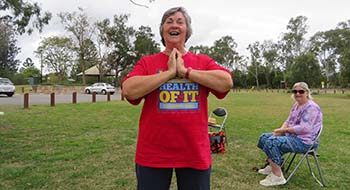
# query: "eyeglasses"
[298,91]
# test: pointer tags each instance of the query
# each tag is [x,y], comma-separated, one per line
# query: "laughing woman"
[173,127]
[296,134]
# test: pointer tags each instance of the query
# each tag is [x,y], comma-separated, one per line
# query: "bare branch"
[133,2]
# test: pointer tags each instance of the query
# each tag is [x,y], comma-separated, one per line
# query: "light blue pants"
[276,146]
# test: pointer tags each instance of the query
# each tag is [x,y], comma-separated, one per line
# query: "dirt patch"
[6,127]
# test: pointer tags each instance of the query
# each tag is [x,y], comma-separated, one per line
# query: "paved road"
[36,99]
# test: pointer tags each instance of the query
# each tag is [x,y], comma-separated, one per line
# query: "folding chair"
[311,152]
[217,132]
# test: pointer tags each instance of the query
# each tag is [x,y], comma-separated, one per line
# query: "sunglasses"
[298,91]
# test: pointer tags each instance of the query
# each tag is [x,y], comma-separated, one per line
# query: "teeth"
[174,33]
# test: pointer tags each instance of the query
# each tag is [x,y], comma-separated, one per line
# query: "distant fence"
[53,98]
[314,91]
[58,89]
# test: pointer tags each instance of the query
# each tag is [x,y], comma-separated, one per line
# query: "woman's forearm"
[138,86]
[217,80]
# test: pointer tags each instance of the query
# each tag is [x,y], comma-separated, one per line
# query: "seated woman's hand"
[278,132]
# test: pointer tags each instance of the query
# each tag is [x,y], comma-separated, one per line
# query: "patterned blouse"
[305,120]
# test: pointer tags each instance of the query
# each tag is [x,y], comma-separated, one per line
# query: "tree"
[224,52]
[90,55]
[29,70]
[21,13]
[255,57]
[144,43]
[118,37]
[57,54]
[79,25]
[269,60]
[8,50]
[323,46]
[343,50]
[307,69]
[293,42]
[103,52]
[200,50]
[240,78]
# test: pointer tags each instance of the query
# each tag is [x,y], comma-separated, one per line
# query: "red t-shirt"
[173,131]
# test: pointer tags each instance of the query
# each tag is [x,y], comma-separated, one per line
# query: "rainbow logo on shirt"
[179,94]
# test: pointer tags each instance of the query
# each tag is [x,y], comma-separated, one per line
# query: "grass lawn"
[92,145]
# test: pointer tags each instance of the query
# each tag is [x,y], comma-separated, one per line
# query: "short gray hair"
[171,12]
[305,87]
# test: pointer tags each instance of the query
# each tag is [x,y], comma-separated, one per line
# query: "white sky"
[246,21]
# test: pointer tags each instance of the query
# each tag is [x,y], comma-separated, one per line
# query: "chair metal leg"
[291,161]
[317,163]
[310,152]
[296,167]
[320,181]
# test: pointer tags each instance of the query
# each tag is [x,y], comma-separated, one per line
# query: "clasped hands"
[280,131]
[176,65]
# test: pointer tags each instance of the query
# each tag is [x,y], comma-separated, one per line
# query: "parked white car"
[7,87]
[100,88]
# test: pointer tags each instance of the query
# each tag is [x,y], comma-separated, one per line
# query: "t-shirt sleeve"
[138,70]
[212,65]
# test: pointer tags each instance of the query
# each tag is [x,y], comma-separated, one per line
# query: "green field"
[92,145]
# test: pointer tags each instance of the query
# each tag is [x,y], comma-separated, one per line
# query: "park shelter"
[94,71]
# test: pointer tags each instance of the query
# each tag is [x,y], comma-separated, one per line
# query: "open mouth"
[174,33]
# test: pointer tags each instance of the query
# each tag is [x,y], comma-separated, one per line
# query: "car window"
[5,81]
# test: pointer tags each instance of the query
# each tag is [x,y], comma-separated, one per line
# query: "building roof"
[93,71]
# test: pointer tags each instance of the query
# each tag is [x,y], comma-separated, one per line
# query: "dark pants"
[160,178]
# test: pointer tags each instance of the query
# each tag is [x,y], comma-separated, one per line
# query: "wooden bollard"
[108,96]
[52,99]
[94,97]
[121,92]
[22,89]
[74,97]
[122,96]
[26,101]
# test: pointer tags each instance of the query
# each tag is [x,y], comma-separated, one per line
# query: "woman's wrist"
[188,70]
[170,74]
[286,130]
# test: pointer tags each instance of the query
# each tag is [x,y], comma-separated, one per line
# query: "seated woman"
[296,134]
